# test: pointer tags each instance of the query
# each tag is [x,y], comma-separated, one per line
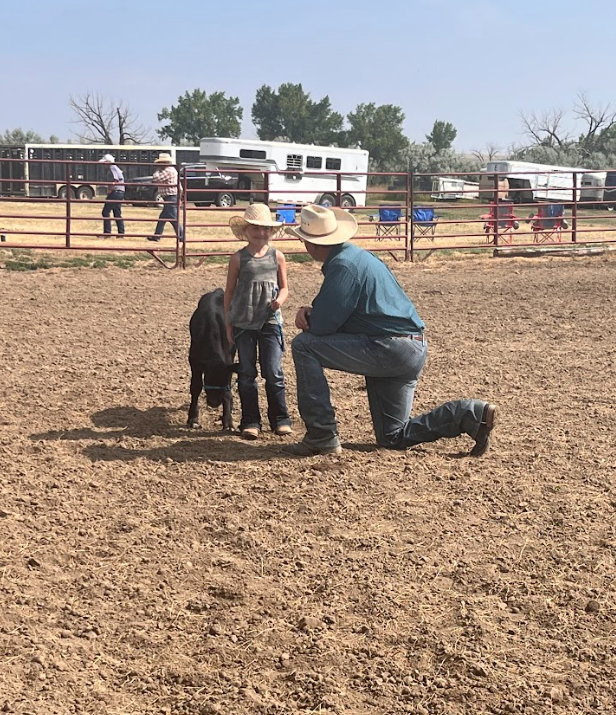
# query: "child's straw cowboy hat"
[255,215]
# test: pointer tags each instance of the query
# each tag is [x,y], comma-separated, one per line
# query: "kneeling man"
[362,322]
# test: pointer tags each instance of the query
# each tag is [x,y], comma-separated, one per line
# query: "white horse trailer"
[308,173]
[593,187]
[451,189]
[538,182]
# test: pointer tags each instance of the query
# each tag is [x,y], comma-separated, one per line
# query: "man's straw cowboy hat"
[324,227]
[255,215]
[164,158]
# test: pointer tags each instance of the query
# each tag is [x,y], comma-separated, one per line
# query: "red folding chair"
[501,215]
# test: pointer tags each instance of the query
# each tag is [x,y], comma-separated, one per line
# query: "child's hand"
[275,305]
[230,334]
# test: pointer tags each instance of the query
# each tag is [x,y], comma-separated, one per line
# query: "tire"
[225,199]
[611,207]
[63,192]
[327,200]
[347,202]
[159,202]
[85,193]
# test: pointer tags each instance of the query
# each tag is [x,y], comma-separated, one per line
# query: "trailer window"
[314,162]
[294,161]
[333,164]
[252,154]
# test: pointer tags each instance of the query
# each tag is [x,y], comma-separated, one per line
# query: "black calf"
[211,359]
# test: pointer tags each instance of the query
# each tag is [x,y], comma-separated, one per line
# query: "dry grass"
[44,224]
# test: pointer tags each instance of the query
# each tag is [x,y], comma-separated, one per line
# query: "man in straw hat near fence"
[362,322]
[115,196]
[167,180]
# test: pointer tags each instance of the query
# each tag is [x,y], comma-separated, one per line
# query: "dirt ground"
[146,568]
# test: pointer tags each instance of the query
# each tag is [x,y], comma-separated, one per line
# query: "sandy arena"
[146,568]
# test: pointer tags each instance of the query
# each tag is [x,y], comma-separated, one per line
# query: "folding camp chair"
[548,223]
[285,213]
[388,220]
[424,222]
[501,215]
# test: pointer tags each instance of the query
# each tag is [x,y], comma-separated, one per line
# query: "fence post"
[496,199]
[410,225]
[182,199]
[574,210]
[68,204]
[266,196]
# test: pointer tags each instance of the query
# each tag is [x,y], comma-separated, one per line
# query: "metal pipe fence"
[403,214]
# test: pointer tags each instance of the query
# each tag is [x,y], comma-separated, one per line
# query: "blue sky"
[475,63]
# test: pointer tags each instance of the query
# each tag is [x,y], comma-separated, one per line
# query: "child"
[256,289]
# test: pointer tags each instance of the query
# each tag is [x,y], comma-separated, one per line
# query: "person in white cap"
[115,196]
[166,179]
[255,292]
[362,322]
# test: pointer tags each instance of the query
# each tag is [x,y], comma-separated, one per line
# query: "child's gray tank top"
[257,286]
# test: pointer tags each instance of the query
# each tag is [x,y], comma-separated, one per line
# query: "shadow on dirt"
[115,425]
[127,422]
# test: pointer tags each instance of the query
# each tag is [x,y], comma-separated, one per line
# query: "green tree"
[379,131]
[19,136]
[196,115]
[442,135]
[289,114]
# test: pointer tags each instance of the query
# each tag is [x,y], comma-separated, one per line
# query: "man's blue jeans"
[169,213]
[269,342]
[113,205]
[392,366]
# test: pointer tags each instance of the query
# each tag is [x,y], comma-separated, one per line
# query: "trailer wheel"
[225,199]
[347,201]
[610,207]
[327,200]
[85,193]
[63,192]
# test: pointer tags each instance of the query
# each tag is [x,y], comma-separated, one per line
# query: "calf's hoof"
[193,424]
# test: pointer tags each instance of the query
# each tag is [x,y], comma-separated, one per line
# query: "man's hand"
[302,319]
[230,334]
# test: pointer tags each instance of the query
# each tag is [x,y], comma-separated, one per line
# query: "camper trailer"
[593,187]
[283,172]
[536,182]
[452,189]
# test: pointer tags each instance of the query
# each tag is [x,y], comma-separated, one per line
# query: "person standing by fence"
[167,187]
[115,196]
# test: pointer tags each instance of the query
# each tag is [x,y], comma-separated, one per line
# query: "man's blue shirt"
[360,295]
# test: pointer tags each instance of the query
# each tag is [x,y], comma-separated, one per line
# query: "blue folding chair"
[388,220]
[424,222]
[285,213]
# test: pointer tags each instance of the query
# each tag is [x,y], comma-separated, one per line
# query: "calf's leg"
[196,387]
